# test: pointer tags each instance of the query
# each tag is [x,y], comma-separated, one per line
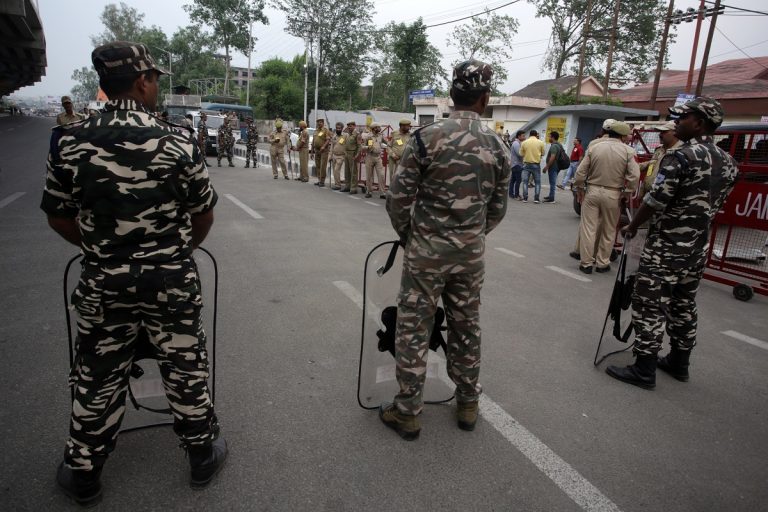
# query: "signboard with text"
[683,98]
[420,94]
[556,124]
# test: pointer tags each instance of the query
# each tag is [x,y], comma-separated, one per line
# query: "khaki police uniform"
[321,145]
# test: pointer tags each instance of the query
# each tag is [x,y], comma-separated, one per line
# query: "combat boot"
[218,163]
[84,487]
[231,164]
[641,374]
[407,426]
[205,461]
[247,164]
[466,415]
[676,364]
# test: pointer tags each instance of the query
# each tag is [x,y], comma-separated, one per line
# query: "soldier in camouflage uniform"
[460,166]
[225,142]
[372,146]
[352,147]
[397,142]
[321,146]
[692,184]
[202,136]
[338,153]
[132,192]
[252,139]
[277,142]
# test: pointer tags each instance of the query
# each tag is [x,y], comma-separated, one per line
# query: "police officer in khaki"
[69,115]
[606,171]
[372,146]
[278,139]
[302,146]
[352,147]
[397,142]
[669,142]
[321,145]
[338,153]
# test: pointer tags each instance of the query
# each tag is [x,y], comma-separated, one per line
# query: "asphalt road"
[556,434]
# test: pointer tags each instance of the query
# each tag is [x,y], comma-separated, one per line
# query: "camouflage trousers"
[250,151]
[662,299]
[416,306]
[113,305]
[277,156]
[224,150]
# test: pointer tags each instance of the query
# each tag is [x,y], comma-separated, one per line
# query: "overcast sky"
[69,24]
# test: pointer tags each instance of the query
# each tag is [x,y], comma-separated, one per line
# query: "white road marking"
[11,198]
[372,203]
[356,297]
[511,253]
[562,474]
[244,207]
[746,339]
[569,274]
[353,196]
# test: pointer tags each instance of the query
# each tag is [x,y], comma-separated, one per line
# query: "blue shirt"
[517,159]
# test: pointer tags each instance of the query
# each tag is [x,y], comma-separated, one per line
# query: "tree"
[193,57]
[339,36]
[230,21]
[120,24]
[277,89]
[87,84]
[408,61]
[636,46]
[486,38]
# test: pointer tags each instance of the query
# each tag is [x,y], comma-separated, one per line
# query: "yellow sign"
[556,124]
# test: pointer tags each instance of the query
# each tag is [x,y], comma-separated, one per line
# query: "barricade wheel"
[743,292]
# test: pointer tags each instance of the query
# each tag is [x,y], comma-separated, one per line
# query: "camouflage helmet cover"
[708,108]
[472,75]
[121,58]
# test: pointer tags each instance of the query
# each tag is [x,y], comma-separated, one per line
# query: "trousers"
[599,217]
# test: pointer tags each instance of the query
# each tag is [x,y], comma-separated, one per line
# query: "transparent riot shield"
[146,403]
[376,381]
[619,316]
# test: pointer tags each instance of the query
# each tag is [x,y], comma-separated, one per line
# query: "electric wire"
[739,49]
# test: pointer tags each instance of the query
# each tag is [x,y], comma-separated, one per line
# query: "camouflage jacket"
[202,131]
[132,181]
[455,173]
[225,137]
[252,136]
[691,186]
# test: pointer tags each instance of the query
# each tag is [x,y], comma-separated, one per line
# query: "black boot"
[676,364]
[206,460]
[84,487]
[641,374]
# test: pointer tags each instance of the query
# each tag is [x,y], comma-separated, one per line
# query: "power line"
[473,15]
[737,47]
[745,47]
[740,9]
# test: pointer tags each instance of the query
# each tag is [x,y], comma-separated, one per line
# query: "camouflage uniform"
[321,145]
[252,139]
[455,174]
[350,163]
[691,186]
[397,143]
[226,142]
[277,142]
[372,146]
[133,182]
[202,136]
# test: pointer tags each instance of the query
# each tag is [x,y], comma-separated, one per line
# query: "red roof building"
[741,86]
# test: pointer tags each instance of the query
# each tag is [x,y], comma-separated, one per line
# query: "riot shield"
[376,382]
[146,403]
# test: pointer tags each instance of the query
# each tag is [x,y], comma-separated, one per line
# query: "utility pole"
[662,54]
[705,58]
[695,48]
[317,76]
[610,49]
[584,37]
[305,79]
[248,78]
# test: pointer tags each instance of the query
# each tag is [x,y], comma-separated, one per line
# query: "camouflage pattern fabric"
[120,58]
[691,186]
[707,107]
[132,181]
[278,139]
[449,192]
[472,75]
[251,141]
[202,136]
[226,142]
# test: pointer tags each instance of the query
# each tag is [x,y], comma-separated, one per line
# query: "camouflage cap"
[66,99]
[666,127]
[122,58]
[709,108]
[472,75]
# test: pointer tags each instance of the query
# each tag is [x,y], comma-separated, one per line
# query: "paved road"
[556,433]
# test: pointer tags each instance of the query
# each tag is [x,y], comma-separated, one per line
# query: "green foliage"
[485,38]
[637,39]
[277,90]
[230,21]
[87,84]
[569,98]
[121,23]
[406,61]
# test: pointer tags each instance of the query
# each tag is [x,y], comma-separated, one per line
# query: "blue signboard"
[421,93]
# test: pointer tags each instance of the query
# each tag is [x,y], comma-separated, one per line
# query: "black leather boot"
[641,374]
[676,364]
[84,487]
[206,460]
